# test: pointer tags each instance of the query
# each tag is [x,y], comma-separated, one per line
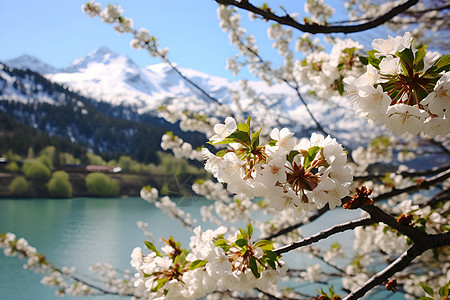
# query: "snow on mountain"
[114,78]
[30,62]
[24,90]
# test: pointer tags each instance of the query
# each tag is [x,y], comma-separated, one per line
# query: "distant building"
[105,169]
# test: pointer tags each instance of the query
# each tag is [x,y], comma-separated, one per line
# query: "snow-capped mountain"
[32,100]
[32,63]
[114,78]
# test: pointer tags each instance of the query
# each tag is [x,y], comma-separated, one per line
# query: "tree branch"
[431,241]
[412,188]
[324,234]
[416,13]
[316,28]
[295,87]
[286,230]
[432,171]
[201,90]
[399,264]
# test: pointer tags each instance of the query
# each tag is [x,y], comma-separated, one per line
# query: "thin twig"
[406,174]
[324,234]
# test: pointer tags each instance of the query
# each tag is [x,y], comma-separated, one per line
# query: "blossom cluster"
[112,14]
[429,21]
[297,175]
[166,205]
[229,209]
[214,263]
[180,148]
[408,90]
[319,11]
[324,72]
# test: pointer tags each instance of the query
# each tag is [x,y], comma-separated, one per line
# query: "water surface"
[83,231]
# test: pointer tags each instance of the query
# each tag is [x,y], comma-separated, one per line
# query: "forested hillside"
[32,100]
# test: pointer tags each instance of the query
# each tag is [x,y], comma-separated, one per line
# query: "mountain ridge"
[113,78]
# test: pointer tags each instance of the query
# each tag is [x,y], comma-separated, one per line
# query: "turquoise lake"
[83,231]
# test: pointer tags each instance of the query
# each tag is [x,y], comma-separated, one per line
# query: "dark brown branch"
[379,215]
[402,262]
[417,13]
[430,242]
[412,188]
[286,230]
[316,28]
[415,187]
[324,234]
[329,263]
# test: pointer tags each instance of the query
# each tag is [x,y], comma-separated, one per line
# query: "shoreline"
[130,185]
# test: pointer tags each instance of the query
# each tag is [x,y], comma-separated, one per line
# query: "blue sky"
[57,31]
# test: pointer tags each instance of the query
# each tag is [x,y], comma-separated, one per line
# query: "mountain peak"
[101,51]
[26,61]
[102,55]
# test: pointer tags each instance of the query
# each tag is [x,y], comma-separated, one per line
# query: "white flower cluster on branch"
[401,91]
[297,175]
[215,263]
[280,183]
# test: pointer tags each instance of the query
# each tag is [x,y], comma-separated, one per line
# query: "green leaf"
[436,254]
[371,53]
[442,64]
[254,267]
[271,255]
[364,60]
[407,56]
[292,155]
[152,247]
[181,258]
[443,291]
[373,60]
[264,245]
[221,153]
[222,243]
[272,143]
[425,298]
[241,243]
[249,229]
[331,289]
[418,59]
[160,283]
[197,264]
[262,261]
[255,138]
[223,142]
[243,127]
[427,289]
[243,233]
[321,292]
[310,156]
[340,86]
[240,136]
